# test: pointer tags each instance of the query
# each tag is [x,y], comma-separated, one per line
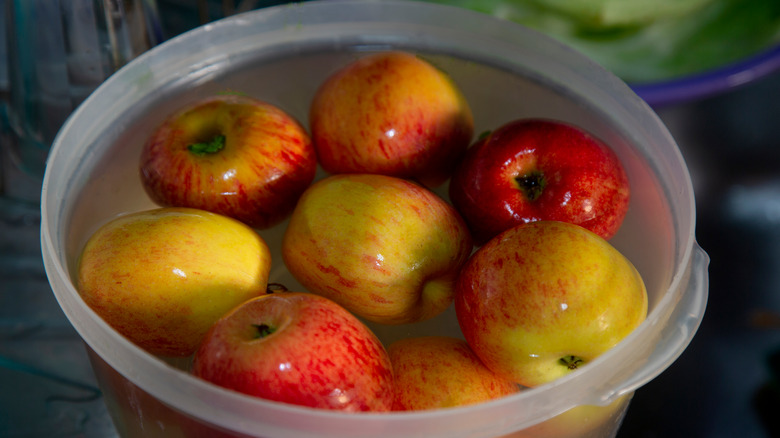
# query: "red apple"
[230,154]
[533,169]
[394,114]
[545,298]
[385,248]
[298,348]
[434,372]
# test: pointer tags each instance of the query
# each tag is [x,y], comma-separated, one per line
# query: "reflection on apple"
[385,248]
[229,154]
[391,113]
[298,348]
[545,298]
[535,169]
[162,277]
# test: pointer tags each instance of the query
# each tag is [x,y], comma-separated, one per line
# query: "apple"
[545,298]
[298,348]
[229,154]
[579,421]
[162,277]
[134,412]
[538,169]
[391,113]
[385,248]
[434,372]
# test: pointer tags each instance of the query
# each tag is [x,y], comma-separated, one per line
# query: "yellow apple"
[434,372]
[162,277]
[545,298]
[385,248]
[579,422]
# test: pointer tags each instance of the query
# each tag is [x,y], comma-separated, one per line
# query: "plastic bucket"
[281,55]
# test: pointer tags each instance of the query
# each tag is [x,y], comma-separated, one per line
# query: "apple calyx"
[532,184]
[264,330]
[571,362]
[208,147]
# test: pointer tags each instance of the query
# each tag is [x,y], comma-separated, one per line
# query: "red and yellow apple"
[537,169]
[230,154]
[391,113]
[545,298]
[162,277]
[433,372]
[298,348]
[385,248]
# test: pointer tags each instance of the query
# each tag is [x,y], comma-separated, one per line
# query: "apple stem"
[275,287]
[571,362]
[531,184]
[210,147]
[264,330]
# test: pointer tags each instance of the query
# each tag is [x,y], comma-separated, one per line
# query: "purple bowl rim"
[711,82]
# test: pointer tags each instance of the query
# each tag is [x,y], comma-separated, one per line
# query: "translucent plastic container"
[281,55]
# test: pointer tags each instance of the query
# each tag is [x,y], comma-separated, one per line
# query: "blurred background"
[710,69]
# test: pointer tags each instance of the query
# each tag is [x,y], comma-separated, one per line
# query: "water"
[496,96]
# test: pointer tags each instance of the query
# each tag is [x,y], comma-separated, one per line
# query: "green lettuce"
[670,39]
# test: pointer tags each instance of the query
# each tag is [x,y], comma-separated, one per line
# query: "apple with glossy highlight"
[536,169]
[385,248]
[298,348]
[162,277]
[230,154]
[545,298]
[391,113]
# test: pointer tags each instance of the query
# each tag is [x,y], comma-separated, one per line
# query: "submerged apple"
[162,277]
[230,154]
[385,248]
[536,169]
[433,372]
[391,113]
[298,348]
[545,298]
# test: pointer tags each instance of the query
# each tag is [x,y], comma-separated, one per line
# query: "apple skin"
[538,169]
[391,113]
[298,348]
[385,248]
[433,372]
[544,298]
[267,160]
[162,277]
[582,421]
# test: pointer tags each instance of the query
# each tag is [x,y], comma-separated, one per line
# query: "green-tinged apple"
[537,169]
[230,154]
[298,348]
[162,277]
[433,372]
[385,248]
[545,298]
[391,113]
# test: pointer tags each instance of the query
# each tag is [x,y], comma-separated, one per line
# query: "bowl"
[711,82]
[281,54]
[676,53]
